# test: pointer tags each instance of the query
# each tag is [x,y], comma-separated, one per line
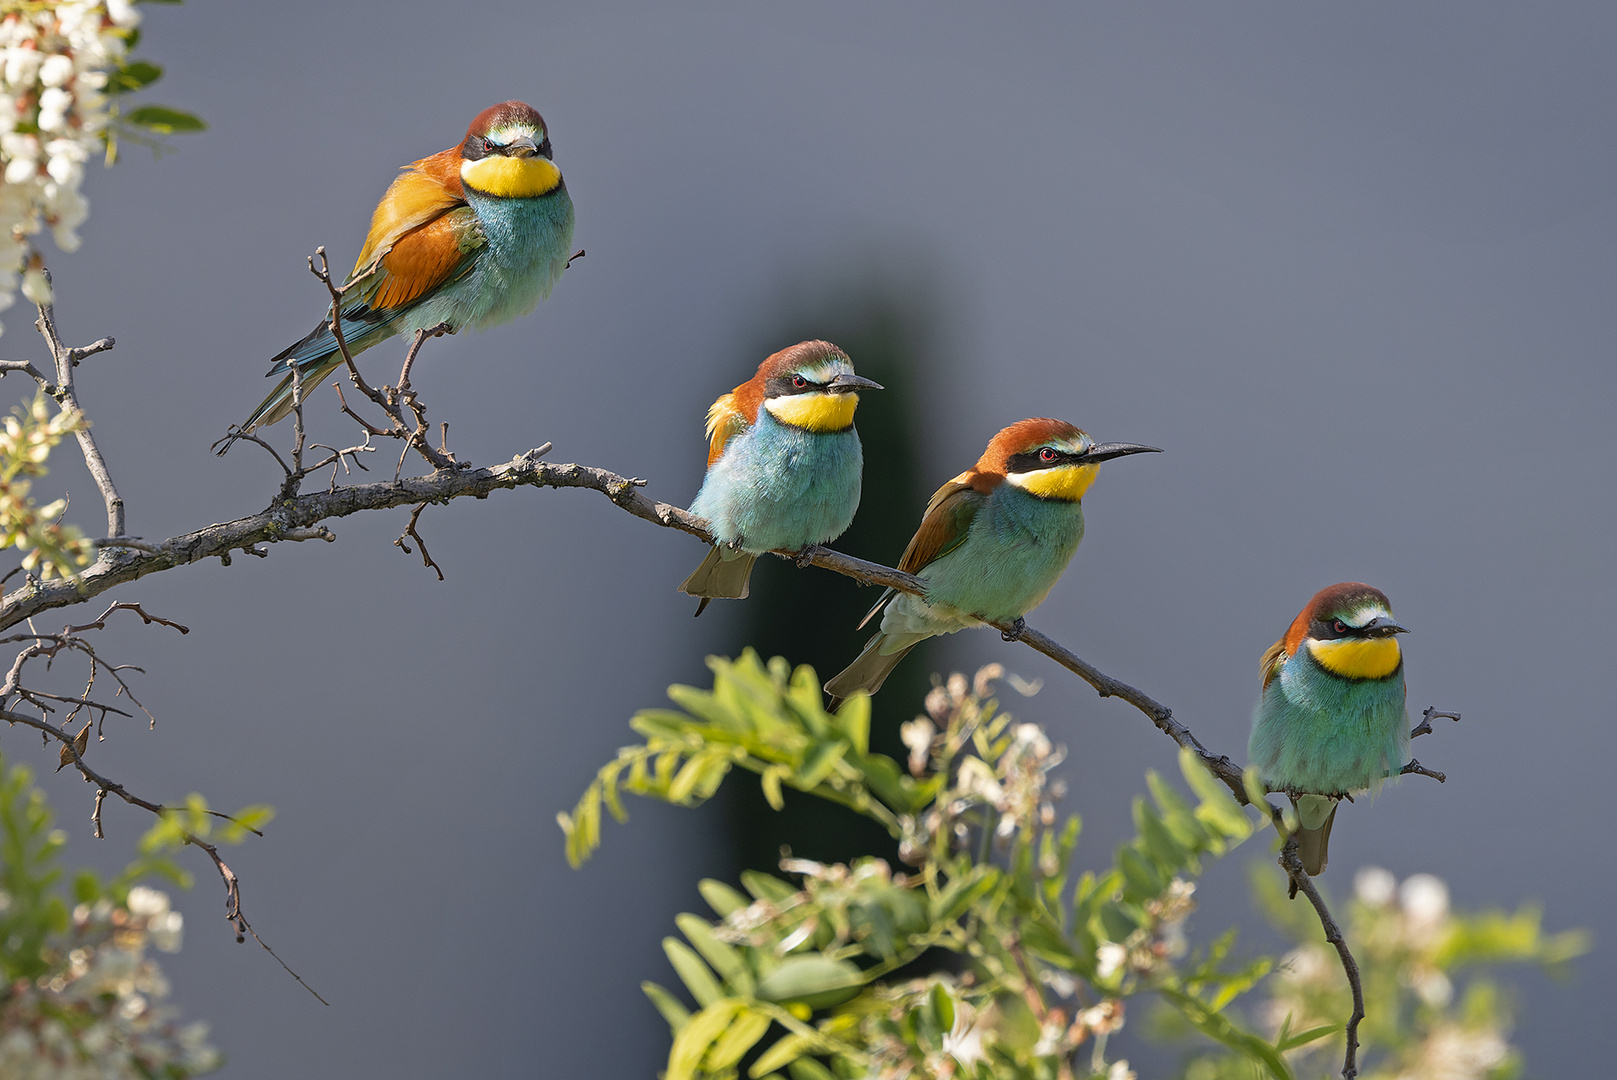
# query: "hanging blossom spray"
[55,59]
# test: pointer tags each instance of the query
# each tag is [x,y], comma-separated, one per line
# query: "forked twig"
[410,531]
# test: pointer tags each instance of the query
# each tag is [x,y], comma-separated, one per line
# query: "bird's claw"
[804,558]
[1018,628]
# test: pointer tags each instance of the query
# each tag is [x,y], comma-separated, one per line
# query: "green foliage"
[823,973]
[812,972]
[141,123]
[768,721]
[75,983]
[162,120]
[196,819]
[28,876]
[1423,1015]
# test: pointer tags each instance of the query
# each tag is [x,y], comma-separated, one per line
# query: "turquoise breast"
[1318,732]
[782,487]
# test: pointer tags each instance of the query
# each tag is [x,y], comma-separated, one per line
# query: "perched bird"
[472,236]
[783,464]
[992,544]
[1331,722]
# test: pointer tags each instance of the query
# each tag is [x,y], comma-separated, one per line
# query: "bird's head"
[1349,630]
[1050,458]
[811,385]
[506,153]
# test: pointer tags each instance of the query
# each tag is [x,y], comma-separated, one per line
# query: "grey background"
[1351,265]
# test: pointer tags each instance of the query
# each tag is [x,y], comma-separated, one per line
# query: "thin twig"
[66,359]
[387,399]
[299,518]
[104,786]
[1425,725]
[409,530]
[415,348]
[1292,863]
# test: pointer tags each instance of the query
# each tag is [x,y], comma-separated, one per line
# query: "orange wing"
[423,259]
[425,191]
[725,421]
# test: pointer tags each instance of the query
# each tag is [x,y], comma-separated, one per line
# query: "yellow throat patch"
[510,177]
[1065,482]
[1358,658]
[814,412]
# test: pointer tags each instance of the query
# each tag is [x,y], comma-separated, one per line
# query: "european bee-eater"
[992,544]
[1331,722]
[783,464]
[472,236]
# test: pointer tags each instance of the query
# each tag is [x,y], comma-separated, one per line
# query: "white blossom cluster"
[55,56]
[50,547]
[96,1015]
[1016,785]
[1402,932]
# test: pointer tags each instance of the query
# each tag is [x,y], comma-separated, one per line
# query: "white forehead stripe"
[1361,616]
[826,370]
[506,134]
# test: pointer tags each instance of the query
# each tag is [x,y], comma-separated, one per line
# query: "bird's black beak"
[1382,626]
[847,384]
[1107,451]
[521,147]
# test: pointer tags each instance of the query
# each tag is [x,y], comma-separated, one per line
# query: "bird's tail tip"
[867,672]
[725,574]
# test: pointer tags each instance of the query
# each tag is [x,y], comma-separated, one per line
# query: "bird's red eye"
[798,382]
[1047,454]
[488,146]
[1339,626]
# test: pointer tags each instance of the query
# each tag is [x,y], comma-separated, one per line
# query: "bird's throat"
[814,412]
[1064,482]
[511,177]
[1357,658]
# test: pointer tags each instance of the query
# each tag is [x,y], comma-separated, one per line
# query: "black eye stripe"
[786,385]
[1033,460]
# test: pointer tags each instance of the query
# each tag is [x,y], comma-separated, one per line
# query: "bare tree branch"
[66,360]
[105,786]
[1292,862]
[297,517]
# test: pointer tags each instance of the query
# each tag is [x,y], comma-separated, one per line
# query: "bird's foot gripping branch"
[829,971]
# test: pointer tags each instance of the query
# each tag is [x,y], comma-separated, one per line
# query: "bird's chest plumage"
[1318,732]
[778,486]
[1017,548]
[526,244]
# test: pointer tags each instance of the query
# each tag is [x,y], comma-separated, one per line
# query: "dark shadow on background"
[809,615]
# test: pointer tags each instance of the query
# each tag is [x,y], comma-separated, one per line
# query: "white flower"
[1375,886]
[1109,959]
[1030,739]
[122,13]
[21,170]
[56,70]
[35,287]
[1425,900]
[22,65]
[977,779]
[1120,1070]
[144,901]
[1433,987]
[917,736]
[54,104]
